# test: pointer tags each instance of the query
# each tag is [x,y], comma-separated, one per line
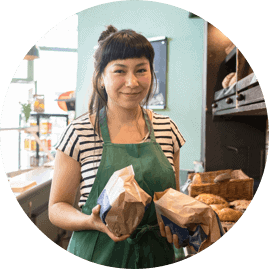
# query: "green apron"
[146,247]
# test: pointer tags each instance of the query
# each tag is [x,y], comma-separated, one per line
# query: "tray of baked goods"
[228,192]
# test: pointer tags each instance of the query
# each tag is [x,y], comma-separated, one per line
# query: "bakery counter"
[34,200]
[41,175]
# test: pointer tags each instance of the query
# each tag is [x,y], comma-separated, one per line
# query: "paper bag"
[194,222]
[123,202]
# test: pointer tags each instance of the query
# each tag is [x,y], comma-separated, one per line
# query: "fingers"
[175,241]
[169,235]
[171,238]
[162,229]
[96,210]
[114,237]
[118,238]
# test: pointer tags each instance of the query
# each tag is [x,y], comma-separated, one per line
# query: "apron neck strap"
[103,125]
[150,127]
[104,128]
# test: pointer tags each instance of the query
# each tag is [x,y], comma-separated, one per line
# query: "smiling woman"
[117,132]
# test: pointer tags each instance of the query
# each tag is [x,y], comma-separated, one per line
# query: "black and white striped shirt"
[80,142]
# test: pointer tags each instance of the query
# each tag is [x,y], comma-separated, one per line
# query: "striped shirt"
[80,142]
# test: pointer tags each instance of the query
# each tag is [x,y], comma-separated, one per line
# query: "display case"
[50,128]
[234,118]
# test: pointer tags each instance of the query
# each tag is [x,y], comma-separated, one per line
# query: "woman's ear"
[101,82]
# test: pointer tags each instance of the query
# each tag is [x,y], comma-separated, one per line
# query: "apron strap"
[104,128]
[103,125]
[150,127]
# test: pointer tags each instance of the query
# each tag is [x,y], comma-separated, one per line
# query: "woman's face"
[127,82]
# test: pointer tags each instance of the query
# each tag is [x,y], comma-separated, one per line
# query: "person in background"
[117,131]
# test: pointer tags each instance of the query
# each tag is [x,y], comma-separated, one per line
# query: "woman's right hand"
[166,232]
[100,226]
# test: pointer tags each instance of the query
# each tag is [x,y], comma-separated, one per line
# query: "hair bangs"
[126,46]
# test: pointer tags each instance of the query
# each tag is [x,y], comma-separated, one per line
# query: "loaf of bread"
[233,80]
[216,207]
[197,179]
[222,178]
[227,79]
[211,199]
[240,205]
[228,214]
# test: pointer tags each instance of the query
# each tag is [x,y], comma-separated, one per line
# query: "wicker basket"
[239,187]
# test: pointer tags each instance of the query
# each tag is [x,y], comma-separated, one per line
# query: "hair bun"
[110,30]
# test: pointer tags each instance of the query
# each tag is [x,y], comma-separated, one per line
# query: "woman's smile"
[131,94]
[127,82]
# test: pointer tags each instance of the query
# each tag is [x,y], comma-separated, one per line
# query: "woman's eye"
[118,71]
[142,70]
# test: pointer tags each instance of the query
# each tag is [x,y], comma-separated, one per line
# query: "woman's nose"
[131,81]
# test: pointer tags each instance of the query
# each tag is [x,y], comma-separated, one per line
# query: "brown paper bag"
[186,212]
[123,202]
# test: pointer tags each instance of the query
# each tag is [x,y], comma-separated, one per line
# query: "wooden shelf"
[232,117]
[251,103]
[33,130]
[25,129]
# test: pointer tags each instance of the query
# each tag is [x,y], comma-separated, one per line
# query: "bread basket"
[239,187]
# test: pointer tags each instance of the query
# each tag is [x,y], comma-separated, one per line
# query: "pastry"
[216,207]
[227,79]
[222,177]
[228,214]
[240,205]
[233,80]
[211,199]
[197,179]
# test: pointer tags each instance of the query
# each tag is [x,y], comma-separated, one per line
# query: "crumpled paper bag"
[194,222]
[123,202]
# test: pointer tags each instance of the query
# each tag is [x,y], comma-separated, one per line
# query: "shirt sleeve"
[177,138]
[69,143]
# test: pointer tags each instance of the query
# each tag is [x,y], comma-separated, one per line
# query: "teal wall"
[185,60]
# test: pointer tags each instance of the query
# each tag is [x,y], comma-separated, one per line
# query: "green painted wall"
[185,60]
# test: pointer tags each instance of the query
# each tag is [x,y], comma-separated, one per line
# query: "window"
[53,73]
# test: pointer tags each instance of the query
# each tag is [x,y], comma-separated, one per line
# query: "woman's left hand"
[171,238]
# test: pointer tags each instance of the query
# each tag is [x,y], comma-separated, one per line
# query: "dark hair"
[114,45]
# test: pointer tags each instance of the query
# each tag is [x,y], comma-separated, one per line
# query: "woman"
[115,133]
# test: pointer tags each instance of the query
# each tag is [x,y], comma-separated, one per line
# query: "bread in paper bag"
[123,202]
[194,222]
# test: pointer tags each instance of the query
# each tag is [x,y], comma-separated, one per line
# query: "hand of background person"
[171,238]
[100,226]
